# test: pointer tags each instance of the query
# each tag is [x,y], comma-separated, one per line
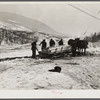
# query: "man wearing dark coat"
[60,42]
[52,43]
[44,44]
[33,48]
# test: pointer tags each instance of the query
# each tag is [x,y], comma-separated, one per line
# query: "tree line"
[93,38]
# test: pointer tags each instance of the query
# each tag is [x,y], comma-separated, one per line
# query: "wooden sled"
[54,52]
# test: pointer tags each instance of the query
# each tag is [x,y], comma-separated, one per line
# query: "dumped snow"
[94,48]
[27,73]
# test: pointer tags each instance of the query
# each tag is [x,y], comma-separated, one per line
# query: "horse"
[73,44]
[82,45]
[78,45]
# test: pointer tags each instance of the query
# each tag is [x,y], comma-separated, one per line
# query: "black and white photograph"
[50,46]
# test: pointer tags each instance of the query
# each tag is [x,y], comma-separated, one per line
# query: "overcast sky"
[67,19]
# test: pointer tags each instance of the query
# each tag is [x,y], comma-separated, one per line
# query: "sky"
[67,18]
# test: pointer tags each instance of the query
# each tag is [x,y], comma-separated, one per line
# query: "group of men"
[43,46]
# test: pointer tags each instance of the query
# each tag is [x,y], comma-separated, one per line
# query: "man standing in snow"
[33,48]
[52,43]
[44,44]
[60,42]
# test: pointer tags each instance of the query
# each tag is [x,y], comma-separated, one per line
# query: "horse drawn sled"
[54,52]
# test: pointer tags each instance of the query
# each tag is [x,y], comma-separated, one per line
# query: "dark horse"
[79,45]
[73,45]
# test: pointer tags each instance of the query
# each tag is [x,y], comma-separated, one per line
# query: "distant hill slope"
[18,29]
[18,22]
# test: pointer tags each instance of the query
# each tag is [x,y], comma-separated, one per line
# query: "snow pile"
[94,48]
[34,74]
[57,80]
[28,73]
[20,74]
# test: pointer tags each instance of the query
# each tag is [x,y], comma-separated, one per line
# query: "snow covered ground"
[33,74]
[14,51]
[94,48]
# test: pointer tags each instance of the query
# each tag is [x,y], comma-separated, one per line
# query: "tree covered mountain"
[15,28]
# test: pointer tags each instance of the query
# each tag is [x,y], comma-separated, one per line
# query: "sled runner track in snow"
[5,59]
